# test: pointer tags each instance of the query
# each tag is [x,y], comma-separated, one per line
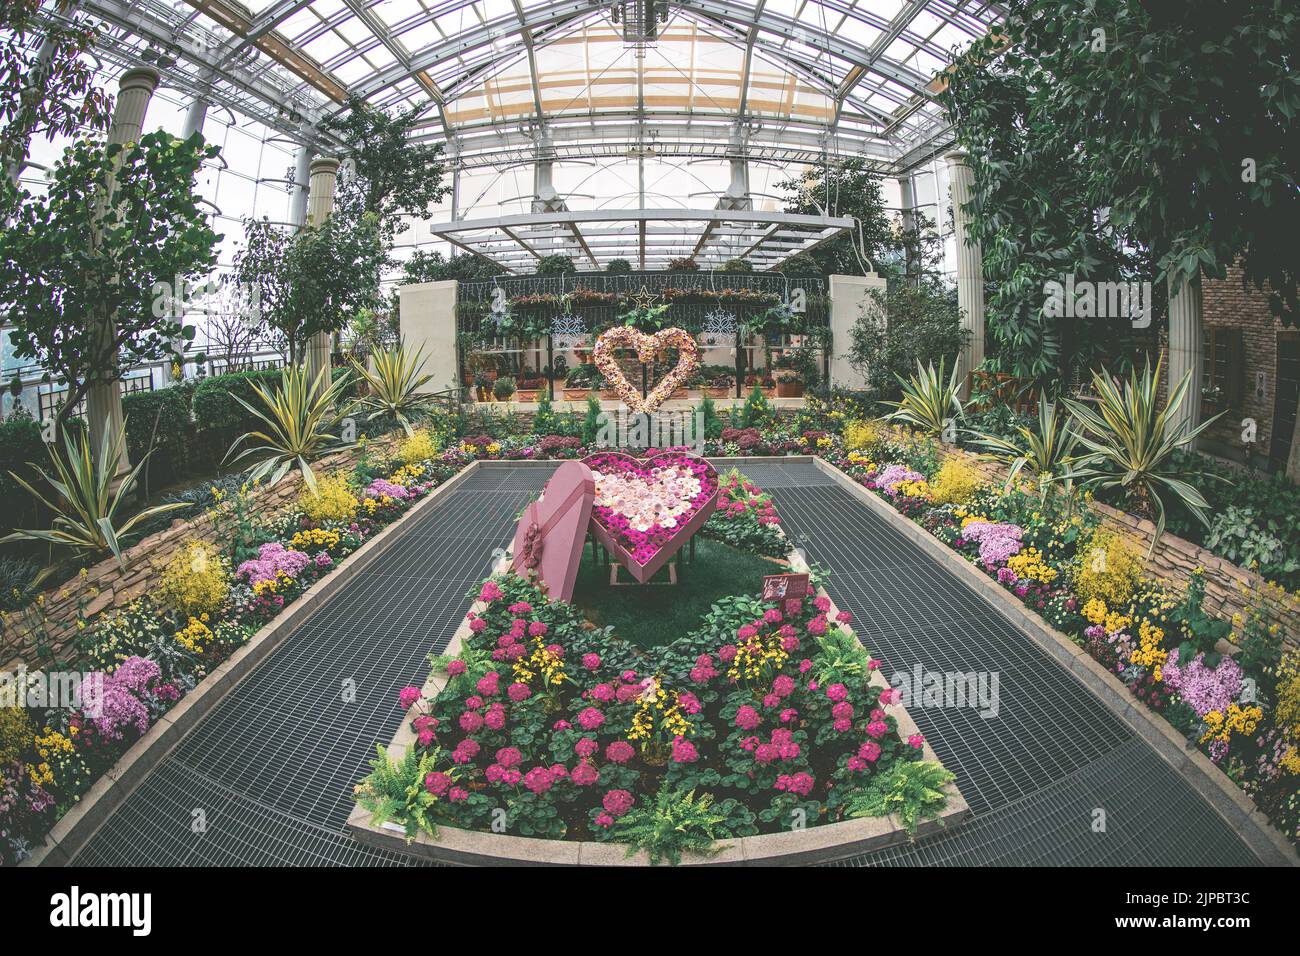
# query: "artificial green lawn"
[659,612]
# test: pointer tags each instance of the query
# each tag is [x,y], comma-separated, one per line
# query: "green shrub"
[160,420]
[557,265]
[618,267]
[20,443]
[16,577]
[591,423]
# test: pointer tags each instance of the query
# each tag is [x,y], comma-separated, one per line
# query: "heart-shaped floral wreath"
[647,347]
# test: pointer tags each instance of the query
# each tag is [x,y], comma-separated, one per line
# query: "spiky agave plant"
[394,385]
[1130,440]
[929,403]
[299,417]
[88,498]
[1049,452]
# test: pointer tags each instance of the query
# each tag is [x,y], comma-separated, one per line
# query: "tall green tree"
[1127,140]
[46,88]
[313,280]
[844,188]
[118,234]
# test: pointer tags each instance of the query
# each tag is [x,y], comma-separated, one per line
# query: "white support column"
[1186,349]
[427,320]
[301,178]
[104,400]
[970,268]
[320,203]
[848,294]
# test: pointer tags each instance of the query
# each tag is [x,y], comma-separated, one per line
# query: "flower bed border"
[1227,799]
[78,826]
[817,844]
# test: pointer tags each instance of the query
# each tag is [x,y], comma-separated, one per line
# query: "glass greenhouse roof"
[797,80]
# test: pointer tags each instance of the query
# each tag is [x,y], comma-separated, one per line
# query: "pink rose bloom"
[470,721]
[584,774]
[591,661]
[518,692]
[455,668]
[620,751]
[746,717]
[407,697]
[684,751]
[837,692]
[437,783]
[590,718]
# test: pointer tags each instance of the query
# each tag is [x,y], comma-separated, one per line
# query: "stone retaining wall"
[47,627]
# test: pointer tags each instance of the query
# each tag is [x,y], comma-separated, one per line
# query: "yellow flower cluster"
[919,488]
[1107,567]
[51,745]
[540,662]
[408,475]
[195,635]
[757,658]
[653,708]
[861,435]
[1150,651]
[333,500]
[15,734]
[1221,726]
[314,538]
[1096,612]
[861,460]
[1030,564]
[956,483]
[273,585]
[195,581]
[421,446]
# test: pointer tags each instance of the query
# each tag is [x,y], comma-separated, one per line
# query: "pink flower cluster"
[380,488]
[889,478]
[998,541]
[273,558]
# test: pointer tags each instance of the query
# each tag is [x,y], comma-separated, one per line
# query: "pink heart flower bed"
[646,509]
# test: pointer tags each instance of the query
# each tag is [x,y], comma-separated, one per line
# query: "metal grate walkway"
[272,767]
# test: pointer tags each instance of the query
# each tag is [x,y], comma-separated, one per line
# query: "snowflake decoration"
[568,332]
[719,325]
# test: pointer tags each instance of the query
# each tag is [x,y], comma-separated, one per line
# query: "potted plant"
[530,385]
[578,382]
[503,388]
[482,386]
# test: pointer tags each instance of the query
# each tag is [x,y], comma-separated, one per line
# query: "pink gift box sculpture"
[645,509]
[550,535]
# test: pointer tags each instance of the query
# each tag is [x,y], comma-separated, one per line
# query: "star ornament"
[644,299]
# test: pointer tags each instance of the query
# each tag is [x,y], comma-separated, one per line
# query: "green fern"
[678,822]
[843,659]
[396,792]
[911,790]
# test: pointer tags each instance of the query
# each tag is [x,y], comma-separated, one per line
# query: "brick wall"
[54,620]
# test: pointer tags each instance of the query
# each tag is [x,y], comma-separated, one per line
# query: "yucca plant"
[88,501]
[299,417]
[394,385]
[1130,440]
[929,402]
[1047,452]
